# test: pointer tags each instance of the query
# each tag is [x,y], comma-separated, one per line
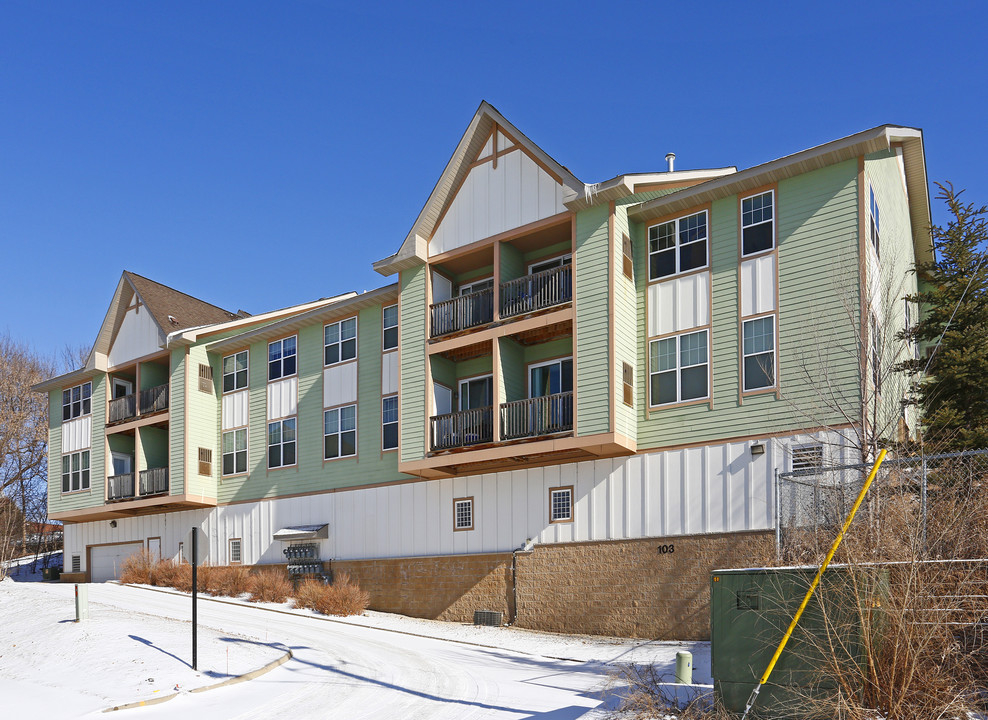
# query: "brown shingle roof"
[174,310]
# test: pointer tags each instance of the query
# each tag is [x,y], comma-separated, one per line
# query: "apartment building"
[568,406]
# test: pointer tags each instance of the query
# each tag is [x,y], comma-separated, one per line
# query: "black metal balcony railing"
[462,312]
[154,399]
[537,291]
[119,487]
[123,408]
[537,416]
[154,481]
[460,429]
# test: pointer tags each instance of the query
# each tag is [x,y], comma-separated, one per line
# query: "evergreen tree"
[950,379]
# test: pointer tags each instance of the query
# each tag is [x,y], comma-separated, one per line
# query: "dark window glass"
[756,238]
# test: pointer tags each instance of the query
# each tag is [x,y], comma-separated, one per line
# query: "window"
[389,423]
[235,452]
[235,371]
[205,461]
[75,471]
[77,401]
[478,286]
[390,325]
[628,258]
[757,223]
[281,358]
[550,264]
[874,220]
[235,555]
[758,339]
[550,378]
[463,513]
[205,378]
[678,368]
[476,393]
[281,443]
[876,354]
[340,432]
[807,457]
[341,341]
[561,505]
[677,246]
[628,377]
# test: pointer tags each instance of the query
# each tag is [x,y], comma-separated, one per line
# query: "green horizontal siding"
[412,329]
[592,319]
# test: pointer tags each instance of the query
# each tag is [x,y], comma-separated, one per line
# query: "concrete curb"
[229,681]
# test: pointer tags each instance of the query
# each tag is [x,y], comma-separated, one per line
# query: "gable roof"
[414,248]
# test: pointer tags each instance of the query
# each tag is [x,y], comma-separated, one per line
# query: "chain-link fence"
[918,506]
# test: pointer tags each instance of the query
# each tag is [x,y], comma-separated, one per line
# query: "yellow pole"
[813,585]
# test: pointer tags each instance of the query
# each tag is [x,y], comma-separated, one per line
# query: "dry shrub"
[645,695]
[138,569]
[344,597]
[226,581]
[269,585]
[167,573]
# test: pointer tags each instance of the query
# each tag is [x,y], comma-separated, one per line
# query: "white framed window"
[340,340]
[550,378]
[389,422]
[235,451]
[282,358]
[235,371]
[463,513]
[807,458]
[77,401]
[874,220]
[678,368]
[476,392]
[476,286]
[758,223]
[555,262]
[340,432]
[281,443]
[677,246]
[389,325]
[75,471]
[236,557]
[758,351]
[561,504]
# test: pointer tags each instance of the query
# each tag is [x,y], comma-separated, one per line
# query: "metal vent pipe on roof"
[670,160]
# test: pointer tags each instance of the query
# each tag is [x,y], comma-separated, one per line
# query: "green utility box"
[750,611]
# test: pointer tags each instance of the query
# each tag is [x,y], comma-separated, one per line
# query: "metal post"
[778,517]
[195,560]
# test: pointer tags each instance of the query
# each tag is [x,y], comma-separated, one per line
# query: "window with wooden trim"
[463,513]
[561,504]
[677,246]
[340,341]
[874,220]
[281,443]
[678,368]
[628,382]
[75,471]
[758,353]
[389,422]
[282,358]
[340,432]
[389,325]
[236,557]
[235,375]
[758,223]
[807,458]
[77,401]
[628,258]
[205,378]
[205,461]
[235,452]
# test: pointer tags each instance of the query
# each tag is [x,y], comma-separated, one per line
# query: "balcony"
[537,417]
[148,402]
[538,291]
[153,481]
[462,313]
[461,429]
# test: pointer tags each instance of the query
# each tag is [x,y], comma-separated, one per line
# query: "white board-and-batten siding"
[679,304]
[493,200]
[137,336]
[77,434]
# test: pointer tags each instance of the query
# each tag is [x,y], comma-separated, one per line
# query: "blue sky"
[259,155]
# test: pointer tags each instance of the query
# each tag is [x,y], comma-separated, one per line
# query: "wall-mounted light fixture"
[757,449]
[113,523]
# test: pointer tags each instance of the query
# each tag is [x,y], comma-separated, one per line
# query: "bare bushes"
[343,597]
[269,585]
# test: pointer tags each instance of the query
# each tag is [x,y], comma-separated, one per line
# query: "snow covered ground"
[137,646]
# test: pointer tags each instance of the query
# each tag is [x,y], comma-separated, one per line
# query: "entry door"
[122,388]
[154,548]
[442,400]
[121,463]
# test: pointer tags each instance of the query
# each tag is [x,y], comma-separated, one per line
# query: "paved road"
[351,672]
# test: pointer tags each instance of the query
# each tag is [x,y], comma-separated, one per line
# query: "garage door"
[105,562]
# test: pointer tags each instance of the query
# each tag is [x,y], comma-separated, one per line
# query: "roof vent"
[670,160]
[172,320]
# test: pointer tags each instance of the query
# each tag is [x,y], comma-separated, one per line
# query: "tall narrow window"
[235,372]
[281,358]
[628,378]
[390,327]
[758,338]
[757,223]
[561,505]
[75,471]
[874,220]
[627,258]
[389,423]
[340,432]
[341,341]
[876,354]
[235,452]
[678,368]
[677,246]
[463,514]
[235,554]
[281,443]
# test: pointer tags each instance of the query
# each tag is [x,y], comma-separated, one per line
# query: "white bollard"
[684,668]
[81,602]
